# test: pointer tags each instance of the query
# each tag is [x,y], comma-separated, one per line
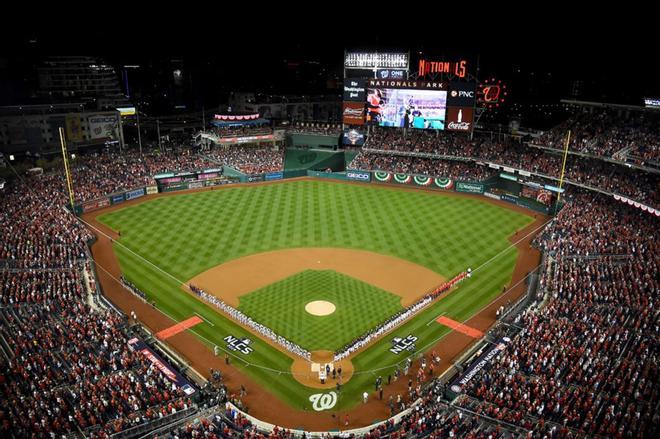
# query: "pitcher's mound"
[320,308]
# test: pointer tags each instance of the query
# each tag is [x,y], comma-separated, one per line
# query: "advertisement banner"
[168,180]
[196,185]
[460,119]
[354,90]
[354,113]
[553,188]
[472,188]
[216,182]
[244,139]
[103,126]
[96,204]
[163,366]
[274,176]
[358,175]
[175,187]
[152,190]
[117,198]
[491,351]
[391,74]
[137,193]
[510,198]
[207,175]
[462,94]
[491,195]
[73,128]
[253,178]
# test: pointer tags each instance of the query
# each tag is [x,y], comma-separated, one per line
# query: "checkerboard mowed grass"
[281,307]
[187,234]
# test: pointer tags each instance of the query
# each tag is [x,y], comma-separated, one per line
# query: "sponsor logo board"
[354,113]
[459,119]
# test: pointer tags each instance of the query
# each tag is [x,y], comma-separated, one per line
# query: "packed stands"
[249,159]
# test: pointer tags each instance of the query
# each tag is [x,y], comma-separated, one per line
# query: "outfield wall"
[495,187]
[304,159]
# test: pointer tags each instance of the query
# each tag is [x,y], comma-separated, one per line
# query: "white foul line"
[434,318]
[203,318]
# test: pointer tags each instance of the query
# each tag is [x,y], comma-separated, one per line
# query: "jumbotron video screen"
[407,108]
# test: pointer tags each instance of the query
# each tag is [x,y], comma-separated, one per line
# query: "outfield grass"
[186,234]
[281,307]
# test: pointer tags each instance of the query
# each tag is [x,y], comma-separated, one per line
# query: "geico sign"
[357,175]
[462,94]
[458,126]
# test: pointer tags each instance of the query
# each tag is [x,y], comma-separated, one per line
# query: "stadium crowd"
[250,159]
[99,174]
[65,363]
[588,360]
[614,133]
[70,367]
[389,150]
[323,128]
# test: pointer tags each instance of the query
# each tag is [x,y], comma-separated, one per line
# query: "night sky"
[540,52]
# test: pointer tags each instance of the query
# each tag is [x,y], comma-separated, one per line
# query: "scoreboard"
[382,89]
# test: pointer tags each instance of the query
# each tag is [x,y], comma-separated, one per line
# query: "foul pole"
[67,172]
[563,164]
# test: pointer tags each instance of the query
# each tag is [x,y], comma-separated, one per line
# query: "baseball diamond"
[168,241]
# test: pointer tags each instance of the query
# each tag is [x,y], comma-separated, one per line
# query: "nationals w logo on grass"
[323,401]
[239,345]
[403,344]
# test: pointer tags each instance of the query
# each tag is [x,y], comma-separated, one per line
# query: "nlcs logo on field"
[403,344]
[239,345]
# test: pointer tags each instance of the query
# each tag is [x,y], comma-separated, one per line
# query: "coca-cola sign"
[459,119]
[459,126]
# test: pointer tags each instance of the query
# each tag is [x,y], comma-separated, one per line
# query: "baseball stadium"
[392,267]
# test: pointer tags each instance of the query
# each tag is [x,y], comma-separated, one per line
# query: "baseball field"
[319,263]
